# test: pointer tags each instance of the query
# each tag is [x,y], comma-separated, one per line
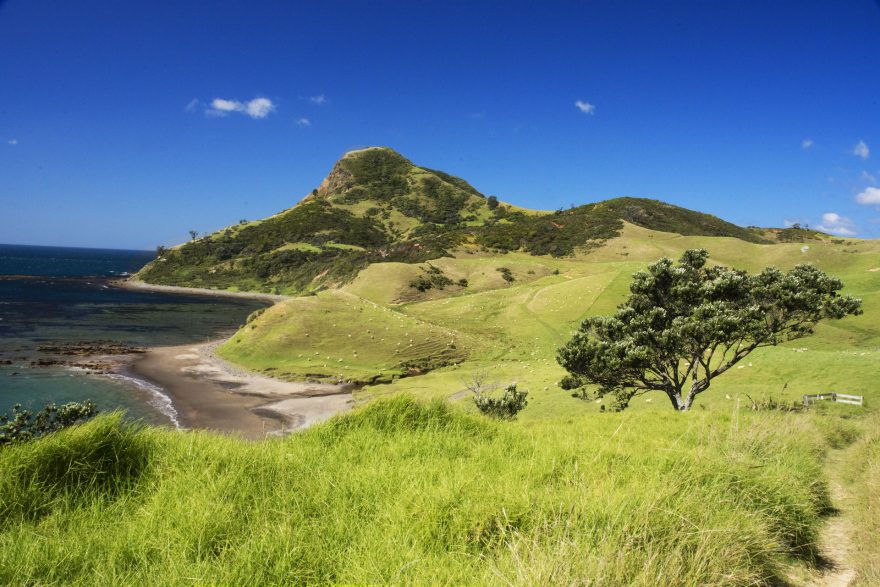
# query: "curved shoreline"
[208,393]
[136,284]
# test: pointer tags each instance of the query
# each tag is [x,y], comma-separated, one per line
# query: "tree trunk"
[675,398]
[696,388]
[686,405]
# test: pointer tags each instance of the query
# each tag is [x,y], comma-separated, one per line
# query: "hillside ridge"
[375,205]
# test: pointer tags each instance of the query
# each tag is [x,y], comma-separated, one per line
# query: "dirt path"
[835,542]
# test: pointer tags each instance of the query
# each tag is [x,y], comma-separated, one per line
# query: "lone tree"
[685,324]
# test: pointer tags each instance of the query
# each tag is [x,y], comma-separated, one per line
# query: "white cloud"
[259,107]
[256,108]
[861,150]
[834,223]
[12,141]
[585,107]
[303,122]
[868,178]
[227,105]
[806,143]
[319,99]
[192,105]
[869,197]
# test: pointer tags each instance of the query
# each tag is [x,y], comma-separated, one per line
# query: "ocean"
[55,295]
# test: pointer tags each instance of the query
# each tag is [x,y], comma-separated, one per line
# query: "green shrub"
[23,425]
[433,278]
[506,407]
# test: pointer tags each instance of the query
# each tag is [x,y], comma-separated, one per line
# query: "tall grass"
[862,474]
[405,492]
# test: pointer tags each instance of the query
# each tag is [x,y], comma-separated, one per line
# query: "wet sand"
[209,393]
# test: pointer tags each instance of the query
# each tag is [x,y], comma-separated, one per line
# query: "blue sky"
[111,135]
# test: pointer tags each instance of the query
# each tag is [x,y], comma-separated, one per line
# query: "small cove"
[54,295]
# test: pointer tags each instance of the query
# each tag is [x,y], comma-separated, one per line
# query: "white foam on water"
[158,399]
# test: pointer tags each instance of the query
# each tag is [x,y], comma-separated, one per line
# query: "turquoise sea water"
[64,295]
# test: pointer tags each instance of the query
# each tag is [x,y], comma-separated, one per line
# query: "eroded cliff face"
[341,178]
[338,179]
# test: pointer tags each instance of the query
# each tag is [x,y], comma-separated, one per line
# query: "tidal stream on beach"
[60,312]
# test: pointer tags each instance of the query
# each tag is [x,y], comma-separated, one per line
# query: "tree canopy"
[686,323]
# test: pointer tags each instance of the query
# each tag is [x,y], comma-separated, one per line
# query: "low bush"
[506,274]
[433,277]
[23,425]
[511,402]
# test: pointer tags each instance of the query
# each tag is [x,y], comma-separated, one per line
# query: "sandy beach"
[132,283]
[208,393]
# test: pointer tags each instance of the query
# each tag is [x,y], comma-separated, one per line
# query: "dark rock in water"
[83,355]
[90,348]
[5,362]
[101,367]
[46,362]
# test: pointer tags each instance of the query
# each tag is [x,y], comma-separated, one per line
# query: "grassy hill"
[457,304]
[513,328]
[414,487]
[376,206]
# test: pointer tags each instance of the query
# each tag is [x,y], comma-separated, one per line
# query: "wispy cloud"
[585,107]
[319,99]
[869,197]
[868,178]
[256,108]
[834,223]
[303,122]
[861,150]
[192,105]
[806,143]
[12,141]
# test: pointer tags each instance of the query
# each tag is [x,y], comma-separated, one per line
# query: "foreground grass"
[861,472]
[407,492]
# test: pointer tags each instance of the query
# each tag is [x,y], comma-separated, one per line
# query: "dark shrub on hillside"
[433,277]
[511,402]
[506,274]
